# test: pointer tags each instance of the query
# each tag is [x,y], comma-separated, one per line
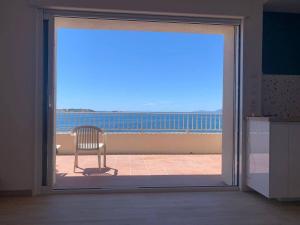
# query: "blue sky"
[109,70]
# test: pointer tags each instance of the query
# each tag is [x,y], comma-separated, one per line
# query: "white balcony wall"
[151,143]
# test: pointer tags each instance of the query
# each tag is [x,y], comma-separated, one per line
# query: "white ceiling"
[291,6]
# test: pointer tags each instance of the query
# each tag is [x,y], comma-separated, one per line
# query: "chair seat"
[91,146]
[101,145]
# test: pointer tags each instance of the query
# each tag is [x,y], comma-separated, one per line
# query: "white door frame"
[49,15]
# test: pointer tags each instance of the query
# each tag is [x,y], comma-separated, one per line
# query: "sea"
[198,122]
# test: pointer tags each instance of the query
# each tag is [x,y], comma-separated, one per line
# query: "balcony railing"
[200,122]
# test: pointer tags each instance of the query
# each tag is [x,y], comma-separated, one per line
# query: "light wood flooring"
[185,208]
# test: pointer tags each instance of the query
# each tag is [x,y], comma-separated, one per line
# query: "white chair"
[87,138]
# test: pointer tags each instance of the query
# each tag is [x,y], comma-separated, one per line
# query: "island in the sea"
[75,110]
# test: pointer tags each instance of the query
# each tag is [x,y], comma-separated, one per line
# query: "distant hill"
[74,110]
[204,111]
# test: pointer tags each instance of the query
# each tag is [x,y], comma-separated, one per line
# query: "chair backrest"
[87,137]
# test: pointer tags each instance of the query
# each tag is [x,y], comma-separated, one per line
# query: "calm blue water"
[142,122]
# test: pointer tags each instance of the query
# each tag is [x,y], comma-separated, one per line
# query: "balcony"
[143,150]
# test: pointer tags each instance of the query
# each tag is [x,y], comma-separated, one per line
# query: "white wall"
[17,67]
[17,71]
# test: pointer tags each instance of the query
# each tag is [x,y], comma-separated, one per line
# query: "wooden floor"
[189,208]
[132,171]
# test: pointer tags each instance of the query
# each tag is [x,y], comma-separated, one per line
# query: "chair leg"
[104,155]
[75,161]
[99,160]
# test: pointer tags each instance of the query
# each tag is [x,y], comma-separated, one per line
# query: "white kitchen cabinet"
[273,157]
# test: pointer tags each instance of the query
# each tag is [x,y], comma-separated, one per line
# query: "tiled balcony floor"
[139,171]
